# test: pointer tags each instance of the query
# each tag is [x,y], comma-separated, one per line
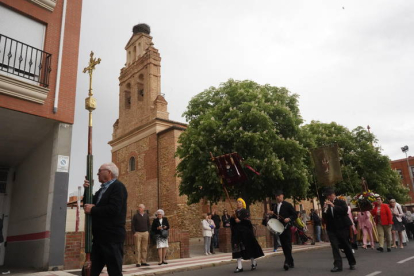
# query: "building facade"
[39,42]
[405,168]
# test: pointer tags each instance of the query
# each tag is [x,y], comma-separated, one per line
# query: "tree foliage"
[359,158]
[261,123]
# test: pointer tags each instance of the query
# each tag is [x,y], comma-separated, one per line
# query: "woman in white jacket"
[207,225]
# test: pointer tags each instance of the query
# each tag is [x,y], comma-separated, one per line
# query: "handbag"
[404,220]
[164,233]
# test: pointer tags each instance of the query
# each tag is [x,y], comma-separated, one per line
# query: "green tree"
[359,158]
[261,123]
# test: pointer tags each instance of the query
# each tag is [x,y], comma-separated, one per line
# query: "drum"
[275,226]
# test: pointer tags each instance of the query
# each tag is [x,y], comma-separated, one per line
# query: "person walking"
[243,241]
[108,213]
[286,214]
[225,218]
[398,226]
[207,227]
[140,228]
[365,225]
[383,219]
[338,223]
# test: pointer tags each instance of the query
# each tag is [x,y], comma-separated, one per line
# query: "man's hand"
[270,212]
[87,208]
[86,183]
[287,220]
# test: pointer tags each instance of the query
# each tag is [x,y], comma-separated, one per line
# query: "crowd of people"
[388,224]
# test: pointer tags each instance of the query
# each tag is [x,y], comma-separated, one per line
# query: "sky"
[350,62]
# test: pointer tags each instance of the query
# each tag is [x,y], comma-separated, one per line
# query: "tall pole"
[405,150]
[90,105]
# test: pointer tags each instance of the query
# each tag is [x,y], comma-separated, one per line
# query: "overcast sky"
[349,61]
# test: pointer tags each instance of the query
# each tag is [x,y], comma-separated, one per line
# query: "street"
[319,262]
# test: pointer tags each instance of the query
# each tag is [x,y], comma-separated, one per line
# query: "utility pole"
[410,172]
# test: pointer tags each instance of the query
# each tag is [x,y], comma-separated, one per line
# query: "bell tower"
[140,83]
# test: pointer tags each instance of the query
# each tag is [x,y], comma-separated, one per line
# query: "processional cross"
[90,105]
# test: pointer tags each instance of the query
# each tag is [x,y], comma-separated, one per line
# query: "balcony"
[24,70]
[24,61]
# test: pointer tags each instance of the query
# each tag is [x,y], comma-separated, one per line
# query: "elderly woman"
[243,241]
[398,226]
[207,226]
[160,223]
[383,219]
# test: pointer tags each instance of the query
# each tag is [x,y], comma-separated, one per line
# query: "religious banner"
[327,166]
[230,169]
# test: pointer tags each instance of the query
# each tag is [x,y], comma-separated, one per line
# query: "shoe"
[207,254]
[286,266]
[159,263]
[352,267]
[336,269]
[164,262]
[274,250]
[238,270]
[365,247]
[381,249]
[404,243]
[388,249]
[394,246]
[254,266]
[145,264]
[137,265]
[292,265]
[401,247]
[212,253]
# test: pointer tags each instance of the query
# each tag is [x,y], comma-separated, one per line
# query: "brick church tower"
[144,140]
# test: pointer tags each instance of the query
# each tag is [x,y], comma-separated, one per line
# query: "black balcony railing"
[25,61]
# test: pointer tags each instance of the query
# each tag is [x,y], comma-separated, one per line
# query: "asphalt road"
[399,262]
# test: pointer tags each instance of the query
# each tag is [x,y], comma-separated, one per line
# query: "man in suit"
[108,213]
[286,214]
[337,221]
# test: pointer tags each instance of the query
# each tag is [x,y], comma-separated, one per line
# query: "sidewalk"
[197,261]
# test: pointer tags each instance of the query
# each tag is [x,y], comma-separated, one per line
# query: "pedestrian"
[225,218]
[108,213]
[316,224]
[207,227]
[217,221]
[243,241]
[140,228]
[383,219]
[211,221]
[410,223]
[286,214]
[305,218]
[398,226]
[160,228]
[338,225]
[365,225]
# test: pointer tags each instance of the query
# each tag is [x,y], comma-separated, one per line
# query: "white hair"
[113,168]
[161,211]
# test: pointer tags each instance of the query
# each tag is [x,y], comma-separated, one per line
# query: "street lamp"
[405,150]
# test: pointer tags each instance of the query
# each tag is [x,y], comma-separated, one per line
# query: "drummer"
[286,214]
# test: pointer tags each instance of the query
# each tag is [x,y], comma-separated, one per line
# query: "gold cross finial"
[90,102]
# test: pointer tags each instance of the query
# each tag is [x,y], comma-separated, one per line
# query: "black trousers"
[286,242]
[109,254]
[341,238]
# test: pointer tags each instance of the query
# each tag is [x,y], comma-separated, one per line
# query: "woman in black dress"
[243,241]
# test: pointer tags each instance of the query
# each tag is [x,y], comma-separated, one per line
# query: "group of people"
[210,226]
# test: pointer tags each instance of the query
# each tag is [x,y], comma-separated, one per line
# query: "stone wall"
[178,241]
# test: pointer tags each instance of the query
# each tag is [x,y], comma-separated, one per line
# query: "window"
[128,96]
[132,164]
[400,173]
[140,88]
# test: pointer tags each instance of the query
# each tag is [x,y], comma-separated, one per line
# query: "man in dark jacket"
[286,214]
[217,221]
[335,215]
[140,228]
[108,213]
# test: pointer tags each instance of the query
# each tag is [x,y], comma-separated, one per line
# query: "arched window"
[132,164]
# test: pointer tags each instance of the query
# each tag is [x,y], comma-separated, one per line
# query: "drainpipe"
[62,35]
